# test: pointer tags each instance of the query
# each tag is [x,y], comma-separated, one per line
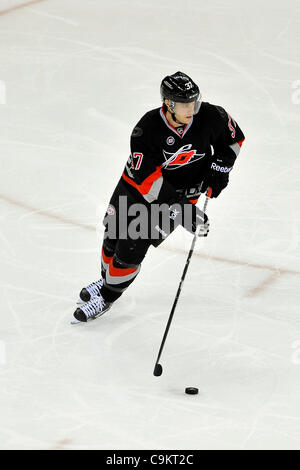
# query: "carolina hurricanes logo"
[183,156]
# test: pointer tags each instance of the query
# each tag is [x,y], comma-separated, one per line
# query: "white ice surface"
[76,76]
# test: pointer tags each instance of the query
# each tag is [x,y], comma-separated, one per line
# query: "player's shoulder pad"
[221,111]
[137,132]
[145,123]
[214,110]
[216,116]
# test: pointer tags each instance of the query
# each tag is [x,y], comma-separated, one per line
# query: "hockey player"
[177,152]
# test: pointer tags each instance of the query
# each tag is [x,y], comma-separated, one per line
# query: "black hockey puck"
[191,390]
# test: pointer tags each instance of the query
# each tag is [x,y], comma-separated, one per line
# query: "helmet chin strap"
[175,119]
[173,116]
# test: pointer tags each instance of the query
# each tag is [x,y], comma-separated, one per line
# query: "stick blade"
[158,370]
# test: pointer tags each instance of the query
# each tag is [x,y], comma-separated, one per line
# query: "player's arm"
[143,170]
[227,141]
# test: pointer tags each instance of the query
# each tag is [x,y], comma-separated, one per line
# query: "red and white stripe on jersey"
[151,185]
[236,147]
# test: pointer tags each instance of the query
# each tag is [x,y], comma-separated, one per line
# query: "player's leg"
[107,252]
[122,269]
[121,257]
[111,235]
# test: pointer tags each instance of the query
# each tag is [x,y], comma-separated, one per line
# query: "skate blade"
[98,315]
[75,321]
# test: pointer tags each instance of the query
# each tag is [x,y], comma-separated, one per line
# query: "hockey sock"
[107,253]
[118,277]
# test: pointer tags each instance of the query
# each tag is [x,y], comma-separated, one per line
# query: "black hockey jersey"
[165,160]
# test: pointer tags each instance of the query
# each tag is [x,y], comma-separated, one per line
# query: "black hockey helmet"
[180,88]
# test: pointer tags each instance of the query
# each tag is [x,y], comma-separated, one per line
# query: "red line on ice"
[18,7]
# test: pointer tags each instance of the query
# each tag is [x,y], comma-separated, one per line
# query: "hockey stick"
[158,368]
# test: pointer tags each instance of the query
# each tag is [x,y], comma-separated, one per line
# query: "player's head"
[181,95]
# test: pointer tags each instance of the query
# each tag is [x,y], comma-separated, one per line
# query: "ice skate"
[91,310]
[90,291]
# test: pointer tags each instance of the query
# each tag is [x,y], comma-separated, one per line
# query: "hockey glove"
[191,217]
[200,222]
[217,177]
[179,213]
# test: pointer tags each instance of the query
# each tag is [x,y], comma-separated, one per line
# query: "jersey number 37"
[136,160]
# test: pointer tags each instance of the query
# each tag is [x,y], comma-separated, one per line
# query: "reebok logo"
[222,169]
